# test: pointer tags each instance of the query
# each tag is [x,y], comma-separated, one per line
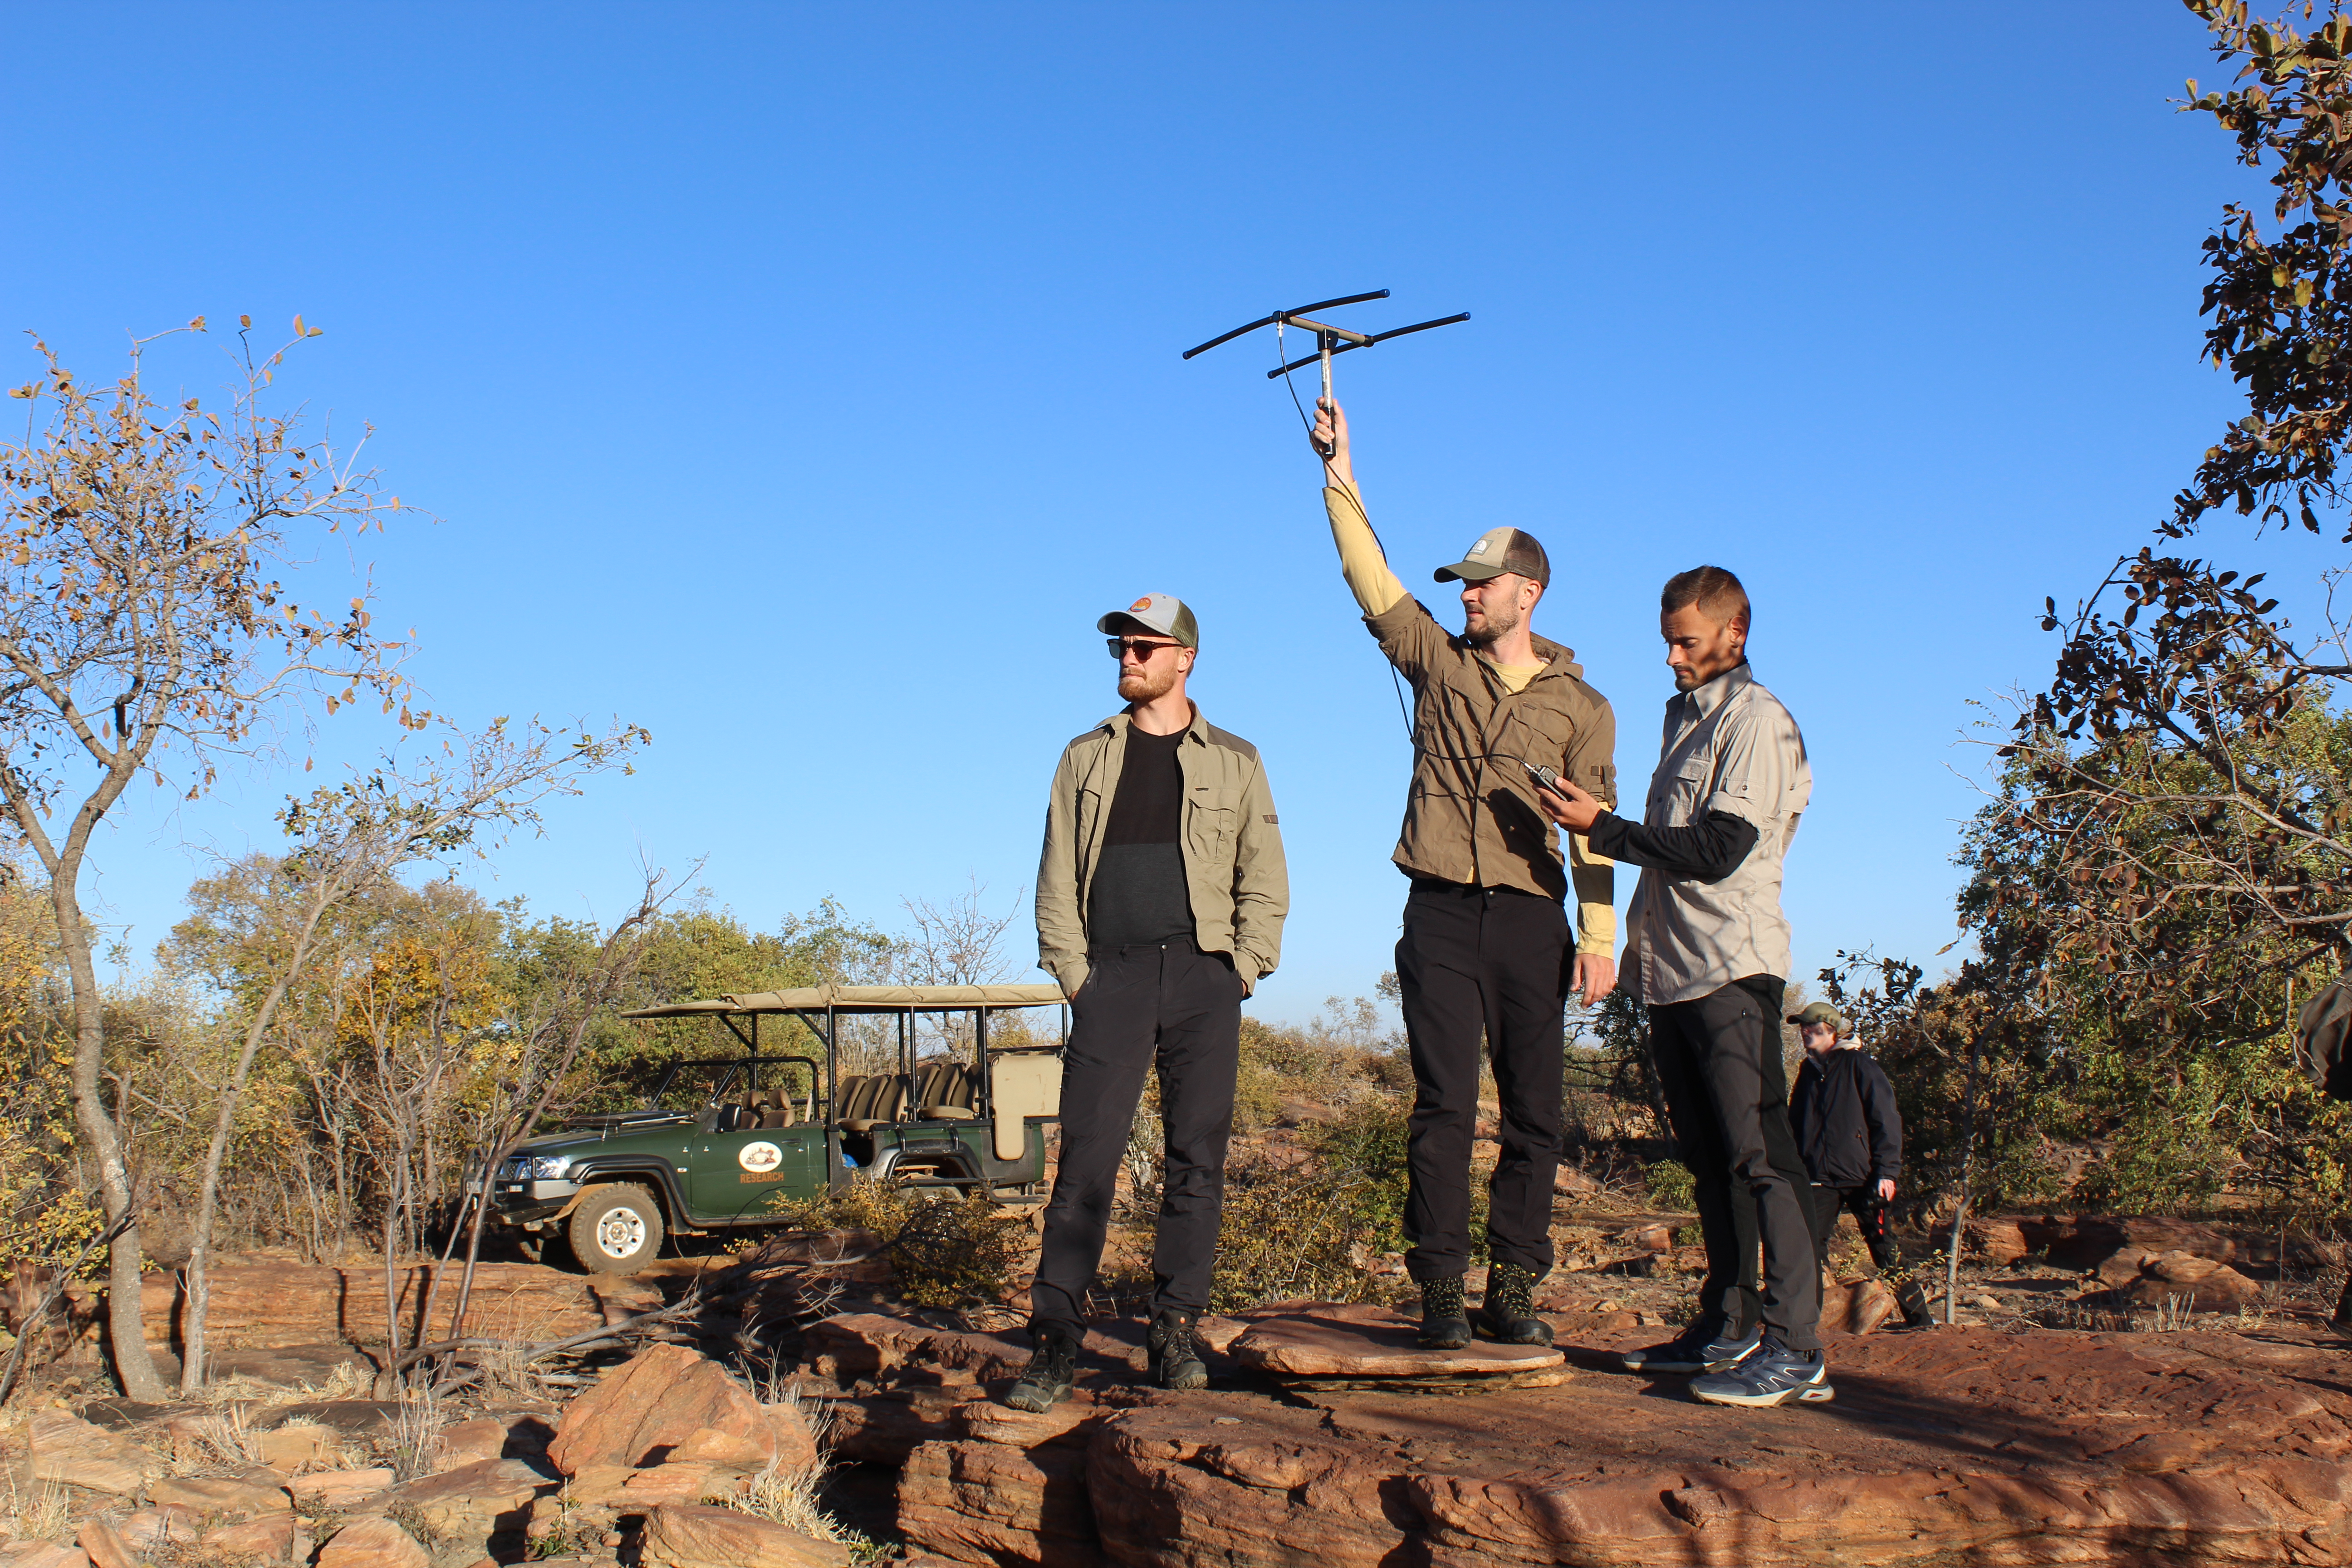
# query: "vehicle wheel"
[615,1230]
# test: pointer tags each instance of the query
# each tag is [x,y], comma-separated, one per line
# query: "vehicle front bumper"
[528,1203]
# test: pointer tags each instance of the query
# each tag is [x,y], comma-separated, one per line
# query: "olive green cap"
[1162,613]
[1822,1013]
[1497,551]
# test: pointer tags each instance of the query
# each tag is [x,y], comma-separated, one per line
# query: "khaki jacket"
[1231,840]
[1471,816]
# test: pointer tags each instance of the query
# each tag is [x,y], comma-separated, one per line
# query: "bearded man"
[1161,898]
[1486,953]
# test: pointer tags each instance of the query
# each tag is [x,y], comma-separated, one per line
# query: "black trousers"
[1171,1006]
[1481,962]
[1727,1099]
[1870,1212]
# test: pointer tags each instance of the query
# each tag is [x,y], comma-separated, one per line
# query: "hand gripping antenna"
[1328,340]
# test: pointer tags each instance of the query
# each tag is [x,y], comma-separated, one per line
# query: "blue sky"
[801,382]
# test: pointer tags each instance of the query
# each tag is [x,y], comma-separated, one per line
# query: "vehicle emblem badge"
[760,1156]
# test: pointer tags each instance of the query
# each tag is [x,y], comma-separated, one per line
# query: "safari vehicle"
[724,1138]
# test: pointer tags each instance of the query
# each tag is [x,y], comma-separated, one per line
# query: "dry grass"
[38,1512]
[414,1441]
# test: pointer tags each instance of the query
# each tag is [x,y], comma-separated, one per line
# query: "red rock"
[282,1304]
[1972,1445]
[692,1535]
[105,1545]
[670,1482]
[464,1442]
[338,1489]
[271,1539]
[46,1555]
[478,1500]
[148,1531]
[1367,1345]
[1856,1306]
[217,1498]
[2199,1284]
[981,1502]
[68,1449]
[290,1448]
[856,1347]
[1996,1240]
[656,1401]
[2072,1241]
[372,1544]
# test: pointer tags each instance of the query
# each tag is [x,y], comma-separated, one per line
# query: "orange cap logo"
[1142,604]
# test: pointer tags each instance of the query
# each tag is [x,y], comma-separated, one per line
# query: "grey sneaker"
[1774,1374]
[1174,1351]
[1053,1368]
[1444,1323]
[1507,1315]
[1696,1349]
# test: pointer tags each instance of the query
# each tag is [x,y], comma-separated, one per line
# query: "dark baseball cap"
[1497,551]
[1822,1013]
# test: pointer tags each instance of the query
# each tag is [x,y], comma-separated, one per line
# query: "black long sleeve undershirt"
[1707,851]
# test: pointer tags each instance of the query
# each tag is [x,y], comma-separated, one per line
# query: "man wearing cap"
[1707,946]
[1486,952]
[1161,898]
[1850,1135]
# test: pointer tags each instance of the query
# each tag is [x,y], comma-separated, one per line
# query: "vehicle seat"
[1022,1084]
[732,1118]
[778,1111]
[851,1096]
[880,1102]
[948,1096]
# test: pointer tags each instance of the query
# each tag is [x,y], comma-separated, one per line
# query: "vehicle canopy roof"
[863,999]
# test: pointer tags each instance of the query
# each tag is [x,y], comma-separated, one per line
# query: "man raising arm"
[1485,951]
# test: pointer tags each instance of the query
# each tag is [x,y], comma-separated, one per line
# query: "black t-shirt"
[1140,894]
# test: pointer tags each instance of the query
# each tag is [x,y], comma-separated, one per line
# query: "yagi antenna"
[1328,340]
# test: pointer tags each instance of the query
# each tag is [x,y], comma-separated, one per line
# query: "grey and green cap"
[1822,1013]
[1162,613]
[1497,551]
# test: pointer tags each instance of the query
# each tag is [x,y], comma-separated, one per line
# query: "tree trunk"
[1967,1174]
[200,1242]
[125,1323]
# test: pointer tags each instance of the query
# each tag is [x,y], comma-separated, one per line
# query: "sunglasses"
[1142,650]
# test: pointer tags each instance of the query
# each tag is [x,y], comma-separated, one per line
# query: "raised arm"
[1361,562]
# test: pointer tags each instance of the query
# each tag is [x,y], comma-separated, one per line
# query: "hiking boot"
[1444,1324]
[1699,1348]
[1914,1302]
[1507,1314]
[1773,1374]
[1173,1351]
[1053,1368]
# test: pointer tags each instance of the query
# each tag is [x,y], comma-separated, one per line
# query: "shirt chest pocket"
[1211,817]
[1676,793]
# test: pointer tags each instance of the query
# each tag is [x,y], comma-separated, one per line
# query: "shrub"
[1672,1186]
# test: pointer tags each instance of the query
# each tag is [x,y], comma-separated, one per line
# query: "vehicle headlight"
[540,1167]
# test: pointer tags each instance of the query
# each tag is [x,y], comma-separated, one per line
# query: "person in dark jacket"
[1851,1135]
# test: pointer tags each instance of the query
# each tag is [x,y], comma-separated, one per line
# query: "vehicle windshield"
[690,1088]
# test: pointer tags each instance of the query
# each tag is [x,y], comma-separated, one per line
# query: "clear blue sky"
[801,382]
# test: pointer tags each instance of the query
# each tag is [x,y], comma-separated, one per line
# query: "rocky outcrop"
[671,1403]
[262,1305]
[1954,1444]
[2177,1279]
[1374,1342]
[372,1544]
[689,1535]
[69,1450]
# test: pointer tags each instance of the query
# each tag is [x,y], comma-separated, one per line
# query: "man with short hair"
[1850,1135]
[1708,948]
[1161,898]
[1486,953]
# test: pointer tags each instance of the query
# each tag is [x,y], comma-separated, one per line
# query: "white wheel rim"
[620,1232]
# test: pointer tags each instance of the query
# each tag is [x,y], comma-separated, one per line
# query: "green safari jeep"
[723,1139]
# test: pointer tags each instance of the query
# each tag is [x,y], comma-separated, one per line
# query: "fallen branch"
[611,1333]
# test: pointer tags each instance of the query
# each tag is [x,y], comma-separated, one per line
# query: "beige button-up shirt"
[1729,746]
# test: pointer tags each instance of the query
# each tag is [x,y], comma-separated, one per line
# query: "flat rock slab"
[1373,1343]
[1955,1445]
